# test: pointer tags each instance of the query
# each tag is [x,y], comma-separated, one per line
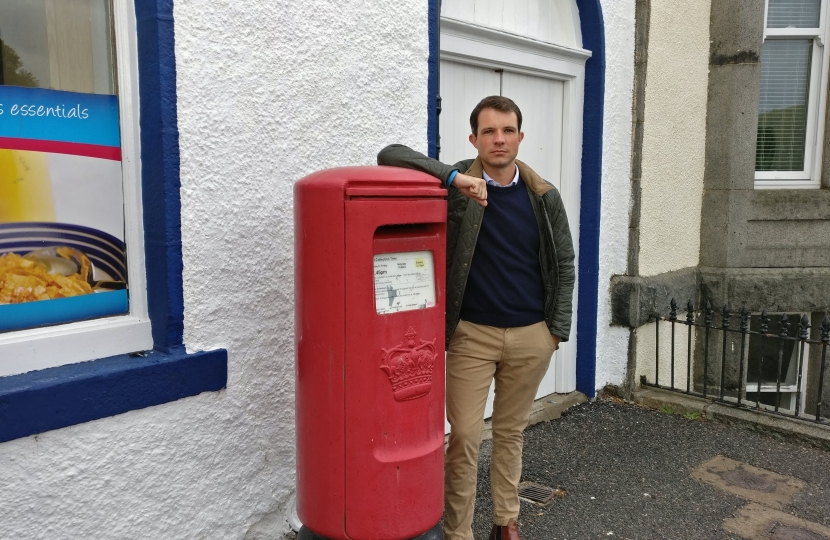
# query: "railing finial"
[764,322]
[690,312]
[804,327]
[744,319]
[825,329]
[707,314]
[673,312]
[783,324]
[726,314]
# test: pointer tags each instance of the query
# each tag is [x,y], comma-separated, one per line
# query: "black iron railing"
[747,365]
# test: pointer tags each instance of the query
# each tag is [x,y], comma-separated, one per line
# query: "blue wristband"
[451,178]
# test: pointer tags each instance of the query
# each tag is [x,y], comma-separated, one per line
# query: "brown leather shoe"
[505,532]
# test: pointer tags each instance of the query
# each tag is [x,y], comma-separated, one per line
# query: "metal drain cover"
[744,479]
[779,531]
[539,494]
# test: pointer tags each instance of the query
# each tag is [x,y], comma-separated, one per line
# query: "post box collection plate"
[404,281]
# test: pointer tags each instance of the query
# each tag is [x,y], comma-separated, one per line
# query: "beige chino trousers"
[517,358]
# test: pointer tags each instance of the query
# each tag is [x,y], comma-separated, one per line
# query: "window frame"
[31,349]
[791,389]
[810,176]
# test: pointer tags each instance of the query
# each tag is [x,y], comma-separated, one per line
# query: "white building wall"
[612,342]
[267,93]
[674,136]
[674,139]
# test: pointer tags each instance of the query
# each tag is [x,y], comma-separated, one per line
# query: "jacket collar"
[535,182]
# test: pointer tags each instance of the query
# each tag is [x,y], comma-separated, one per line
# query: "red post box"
[370,263]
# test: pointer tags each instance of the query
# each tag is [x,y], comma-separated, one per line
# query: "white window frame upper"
[39,348]
[810,176]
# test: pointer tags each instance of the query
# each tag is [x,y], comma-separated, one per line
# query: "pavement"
[632,472]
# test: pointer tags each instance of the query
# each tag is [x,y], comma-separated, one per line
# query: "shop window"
[71,238]
[793,94]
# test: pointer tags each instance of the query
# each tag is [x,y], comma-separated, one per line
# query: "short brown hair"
[498,103]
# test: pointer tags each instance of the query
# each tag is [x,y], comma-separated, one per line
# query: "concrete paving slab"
[757,522]
[765,487]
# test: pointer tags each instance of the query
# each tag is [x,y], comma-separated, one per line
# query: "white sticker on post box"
[404,281]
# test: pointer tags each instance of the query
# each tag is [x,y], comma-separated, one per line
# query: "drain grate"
[539,494]
[779,531]
[744,479]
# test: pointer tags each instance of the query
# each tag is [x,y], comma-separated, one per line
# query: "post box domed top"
[373,182]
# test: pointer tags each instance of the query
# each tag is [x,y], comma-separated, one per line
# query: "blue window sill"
[54,398]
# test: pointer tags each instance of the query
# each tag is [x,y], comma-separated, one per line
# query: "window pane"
[782,120]
[57,44]
[62,252]
[793,13]
[763,360]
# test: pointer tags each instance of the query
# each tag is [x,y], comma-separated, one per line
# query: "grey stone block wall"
[635,300]
[742,227]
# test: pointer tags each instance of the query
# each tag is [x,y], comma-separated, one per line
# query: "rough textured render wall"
[674,140]
[674,135]
[612,342]
[268,92]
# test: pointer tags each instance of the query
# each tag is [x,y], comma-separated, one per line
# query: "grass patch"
[666,409]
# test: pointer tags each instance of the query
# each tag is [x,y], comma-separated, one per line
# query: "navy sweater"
[505,287]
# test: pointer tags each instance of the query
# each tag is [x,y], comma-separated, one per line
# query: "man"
[510,279]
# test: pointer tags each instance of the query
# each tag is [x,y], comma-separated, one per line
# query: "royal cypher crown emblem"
[409,367]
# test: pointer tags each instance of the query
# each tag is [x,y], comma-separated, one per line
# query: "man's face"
[498,138]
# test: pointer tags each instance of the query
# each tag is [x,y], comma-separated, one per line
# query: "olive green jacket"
[556,252]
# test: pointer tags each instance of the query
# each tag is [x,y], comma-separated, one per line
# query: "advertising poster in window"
[62,252]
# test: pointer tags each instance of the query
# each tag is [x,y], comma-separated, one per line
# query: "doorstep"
[544,409]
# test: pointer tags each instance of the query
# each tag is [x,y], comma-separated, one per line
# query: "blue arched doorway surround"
[593,39]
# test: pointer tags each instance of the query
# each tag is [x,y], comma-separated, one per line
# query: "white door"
[462,87]
[542,101]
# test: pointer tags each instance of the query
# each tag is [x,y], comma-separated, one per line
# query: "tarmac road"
[627,472]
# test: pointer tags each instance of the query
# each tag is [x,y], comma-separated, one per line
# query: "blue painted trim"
[53,398]
[160,170]
[433,87]
[593,39]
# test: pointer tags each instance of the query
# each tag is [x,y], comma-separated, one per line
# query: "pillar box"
[370,263]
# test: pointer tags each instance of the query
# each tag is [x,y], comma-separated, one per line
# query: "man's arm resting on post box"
[398,155]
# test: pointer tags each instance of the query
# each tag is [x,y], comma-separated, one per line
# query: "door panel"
[540,101]
[462,87]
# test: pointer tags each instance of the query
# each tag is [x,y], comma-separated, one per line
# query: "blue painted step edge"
[58,397]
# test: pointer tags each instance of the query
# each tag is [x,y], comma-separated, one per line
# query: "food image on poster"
[404,281]
[62,251]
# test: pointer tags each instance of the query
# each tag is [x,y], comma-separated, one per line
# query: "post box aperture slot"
[406,230]
[404,281]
